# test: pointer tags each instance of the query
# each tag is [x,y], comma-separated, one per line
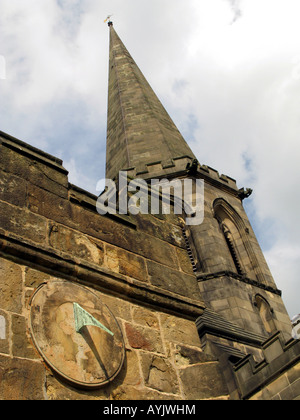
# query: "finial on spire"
[109,22]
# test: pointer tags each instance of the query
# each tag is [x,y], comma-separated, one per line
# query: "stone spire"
[140,134]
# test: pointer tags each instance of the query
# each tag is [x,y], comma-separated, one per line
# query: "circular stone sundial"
[76,334]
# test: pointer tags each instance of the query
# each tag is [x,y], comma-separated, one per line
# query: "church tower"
[233,276]
[243,305]
[164,305]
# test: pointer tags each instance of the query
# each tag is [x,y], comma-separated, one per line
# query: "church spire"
[140,133]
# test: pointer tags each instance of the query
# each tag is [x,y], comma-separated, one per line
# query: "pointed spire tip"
[108,20]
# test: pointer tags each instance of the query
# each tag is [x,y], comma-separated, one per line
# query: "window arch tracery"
[236,236]
[266,313]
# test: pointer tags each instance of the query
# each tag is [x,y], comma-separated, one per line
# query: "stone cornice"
[212,323]
[65,266]
[209,276]
[279,356]
[34,153]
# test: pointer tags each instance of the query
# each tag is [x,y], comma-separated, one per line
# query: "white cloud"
[284,260]
[228,71]
[236,7]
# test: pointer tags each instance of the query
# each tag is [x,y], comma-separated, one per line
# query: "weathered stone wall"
[223,289]
[276,376]
[285,388]
[235,300]
[163,358]
[40,209]
[140,268]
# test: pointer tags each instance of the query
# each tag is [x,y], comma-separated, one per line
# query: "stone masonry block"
[76,244]
[126,263]
[174,281]
[21,344]
[186,356]
[48,204]
[23,223]
[12,189]
[145,317]
[203,381]
[142,338]
[159,374]
[10,286]
[179,330]
[4,332]
[21,379]
[34,278]
[48,177]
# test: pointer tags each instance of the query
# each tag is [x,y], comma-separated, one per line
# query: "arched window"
[232,249]
[266,313]
[236,235]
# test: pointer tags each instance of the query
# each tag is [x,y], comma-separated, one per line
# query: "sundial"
[76,334]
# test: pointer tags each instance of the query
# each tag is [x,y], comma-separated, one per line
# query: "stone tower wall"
[231,280]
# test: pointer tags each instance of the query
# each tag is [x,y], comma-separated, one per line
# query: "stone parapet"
[276,376]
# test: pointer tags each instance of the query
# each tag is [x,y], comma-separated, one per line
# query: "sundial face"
[76,334]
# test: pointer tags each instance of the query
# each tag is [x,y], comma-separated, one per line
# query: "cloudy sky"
[227,71]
